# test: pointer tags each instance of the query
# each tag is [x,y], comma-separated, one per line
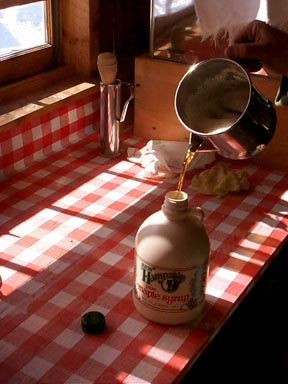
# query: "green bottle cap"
[93,322]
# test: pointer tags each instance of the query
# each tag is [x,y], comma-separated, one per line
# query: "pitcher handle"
[127,102]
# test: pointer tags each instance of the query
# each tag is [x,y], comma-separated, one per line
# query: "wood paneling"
[76,28]
[131,33]
[155,87]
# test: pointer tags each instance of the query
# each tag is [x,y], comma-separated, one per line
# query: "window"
[29,38]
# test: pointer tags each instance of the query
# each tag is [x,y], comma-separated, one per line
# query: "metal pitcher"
[111,116]
[216,101]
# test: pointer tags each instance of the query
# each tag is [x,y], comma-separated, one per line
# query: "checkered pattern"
[38,139]
[68,225]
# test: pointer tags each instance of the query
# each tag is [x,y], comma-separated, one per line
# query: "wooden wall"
[124,29]
[80,31]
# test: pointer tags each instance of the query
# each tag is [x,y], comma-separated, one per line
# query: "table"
[67,247]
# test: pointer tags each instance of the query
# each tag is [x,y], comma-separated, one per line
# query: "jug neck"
[175,205]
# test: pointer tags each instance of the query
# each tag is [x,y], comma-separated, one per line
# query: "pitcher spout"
[199,144]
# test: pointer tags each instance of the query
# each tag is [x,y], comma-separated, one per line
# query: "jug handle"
[199,213]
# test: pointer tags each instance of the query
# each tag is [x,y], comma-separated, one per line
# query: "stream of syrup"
[187,160]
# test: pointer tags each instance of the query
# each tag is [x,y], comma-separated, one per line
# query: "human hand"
[260,45]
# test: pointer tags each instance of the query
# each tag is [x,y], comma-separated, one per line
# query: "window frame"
[77,60]
[35,60]
[81,29]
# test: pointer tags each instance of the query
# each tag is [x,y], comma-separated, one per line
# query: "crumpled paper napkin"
[220,180]
[164,158]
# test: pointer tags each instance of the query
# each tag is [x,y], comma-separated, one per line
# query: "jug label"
[173,290]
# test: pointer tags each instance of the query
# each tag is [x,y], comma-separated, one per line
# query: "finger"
[245,51]
[245,55]
[248,34]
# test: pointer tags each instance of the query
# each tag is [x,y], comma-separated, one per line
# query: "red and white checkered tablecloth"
[67,246]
